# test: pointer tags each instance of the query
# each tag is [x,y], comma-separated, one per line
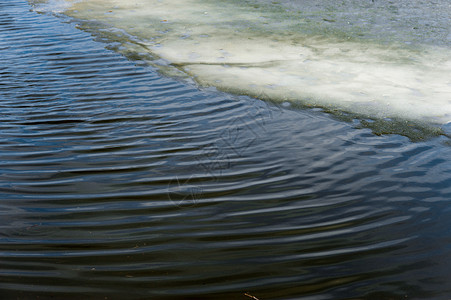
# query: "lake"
[173,173]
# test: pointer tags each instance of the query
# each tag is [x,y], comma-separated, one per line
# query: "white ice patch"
[266,53]
[53,6]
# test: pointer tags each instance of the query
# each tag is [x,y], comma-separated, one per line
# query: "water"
[118,182]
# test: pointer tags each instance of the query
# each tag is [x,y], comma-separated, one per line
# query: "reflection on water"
[119,183]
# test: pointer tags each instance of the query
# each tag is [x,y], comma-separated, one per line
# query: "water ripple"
[118,182]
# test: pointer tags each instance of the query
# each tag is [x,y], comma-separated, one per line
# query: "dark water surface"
[119,183]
